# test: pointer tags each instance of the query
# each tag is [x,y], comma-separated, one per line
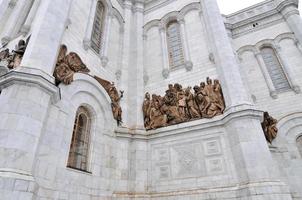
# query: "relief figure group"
[181,105]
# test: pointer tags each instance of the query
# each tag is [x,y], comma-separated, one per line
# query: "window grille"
[176,56]
[275,69]
[79,147]
[96,37]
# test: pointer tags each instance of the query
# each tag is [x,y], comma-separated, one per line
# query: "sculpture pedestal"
[226,157]
[24,102]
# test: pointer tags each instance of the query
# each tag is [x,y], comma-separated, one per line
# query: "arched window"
[299,144]
[79,147]
[98,25]
[275,69]
[176,55]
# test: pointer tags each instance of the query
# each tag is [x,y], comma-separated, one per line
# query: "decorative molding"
[18,77]
[197,125]
[254,18]
[166,73]
[175,15]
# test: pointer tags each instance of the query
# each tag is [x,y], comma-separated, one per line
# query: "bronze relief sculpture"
[181,105]
[115,97]
[14,58]
[69,64]
[269,126]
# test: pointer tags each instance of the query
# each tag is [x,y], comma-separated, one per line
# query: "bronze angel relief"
[181,105]
[67,65]
[269,126]
[14,58]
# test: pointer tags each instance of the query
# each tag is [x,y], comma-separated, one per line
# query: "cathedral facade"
[150,99]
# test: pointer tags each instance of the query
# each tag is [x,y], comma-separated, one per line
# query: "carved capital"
[104,60]
[25,30]
[181,20]
[297,89]
[146,79]
[165,73]
[212,58]
[3,68]
[188,65]
[118,74]
[274,94]
[128,4]
[5,40]
[12,4]
[86,43]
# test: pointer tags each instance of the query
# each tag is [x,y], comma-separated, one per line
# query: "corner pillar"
[252,158]
[42,51]
[290,12]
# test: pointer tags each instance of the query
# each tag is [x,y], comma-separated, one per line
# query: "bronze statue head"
[196,88]
[209,81]
[147,96]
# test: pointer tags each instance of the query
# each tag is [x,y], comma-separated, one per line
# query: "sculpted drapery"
[181,105]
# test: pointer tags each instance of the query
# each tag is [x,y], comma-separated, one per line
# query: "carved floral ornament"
[180,105]
[69,64]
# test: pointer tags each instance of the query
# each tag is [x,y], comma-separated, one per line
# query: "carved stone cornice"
[19,77]
[197,125]
[255,17]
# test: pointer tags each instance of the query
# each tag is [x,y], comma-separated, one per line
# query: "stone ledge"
[201,124]
[16,174]
[16,77]
[264,188]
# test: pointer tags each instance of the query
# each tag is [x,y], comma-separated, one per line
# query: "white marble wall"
[221,158]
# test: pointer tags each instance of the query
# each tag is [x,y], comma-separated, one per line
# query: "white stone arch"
[188,8]
[118,16]
[83,88]
[151,24]
[287,126]
[246,48]
[265,43]
[86,91]
[174,15]
[284,36]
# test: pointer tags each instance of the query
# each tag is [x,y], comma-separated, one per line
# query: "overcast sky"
[230,6]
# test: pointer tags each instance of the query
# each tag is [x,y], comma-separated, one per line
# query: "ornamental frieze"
[69,64]
[180,105]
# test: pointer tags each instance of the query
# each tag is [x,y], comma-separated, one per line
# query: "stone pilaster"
[227,67]
[164,50]
[136,85]
[11,26]
[29,20]
[266,75]
[26,94]
[290,12]
[43,47]
[126,58]
[288,70]
[187,56]
[105,41]
[89,26]
[4,4]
